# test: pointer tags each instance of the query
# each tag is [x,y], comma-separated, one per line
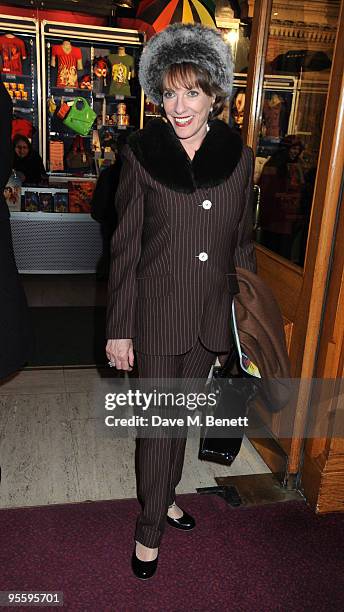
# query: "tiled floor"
[54,447]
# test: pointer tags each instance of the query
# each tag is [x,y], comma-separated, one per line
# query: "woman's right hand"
[121,353]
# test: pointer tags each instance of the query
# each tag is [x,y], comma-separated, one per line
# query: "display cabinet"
[20,73]
[286,159]
[281,100]
[91,72]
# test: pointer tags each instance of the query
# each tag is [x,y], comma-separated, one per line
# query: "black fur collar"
[160,152]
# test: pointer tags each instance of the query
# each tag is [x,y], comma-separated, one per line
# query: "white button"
[207,204]
[203,256]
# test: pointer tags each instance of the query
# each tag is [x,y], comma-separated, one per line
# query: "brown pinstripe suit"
[182,229]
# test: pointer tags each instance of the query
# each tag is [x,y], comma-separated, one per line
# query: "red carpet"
[279,557]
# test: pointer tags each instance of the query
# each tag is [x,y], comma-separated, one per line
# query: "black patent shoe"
[143,569]
[185,522]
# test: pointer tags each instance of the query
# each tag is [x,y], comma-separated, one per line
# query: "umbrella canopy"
[160,13]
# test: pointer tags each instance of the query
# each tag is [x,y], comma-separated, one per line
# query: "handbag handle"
[77,102]
[226,371]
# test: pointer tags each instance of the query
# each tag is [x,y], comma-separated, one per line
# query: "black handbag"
[234,390]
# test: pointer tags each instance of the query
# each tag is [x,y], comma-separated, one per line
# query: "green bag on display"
[80,117]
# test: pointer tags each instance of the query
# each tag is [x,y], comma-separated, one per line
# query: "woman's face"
[21,148]
[187,110]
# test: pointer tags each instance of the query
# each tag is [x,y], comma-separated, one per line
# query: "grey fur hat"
[179,43]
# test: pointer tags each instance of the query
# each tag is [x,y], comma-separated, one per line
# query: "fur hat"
[180,43]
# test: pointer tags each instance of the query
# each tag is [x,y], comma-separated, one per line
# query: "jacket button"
[207,204]
[203,256]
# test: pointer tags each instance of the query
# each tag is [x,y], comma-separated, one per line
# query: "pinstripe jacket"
[183,226]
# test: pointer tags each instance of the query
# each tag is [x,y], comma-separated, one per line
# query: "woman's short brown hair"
[189,75]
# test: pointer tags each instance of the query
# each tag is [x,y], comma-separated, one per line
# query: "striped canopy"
[160,13]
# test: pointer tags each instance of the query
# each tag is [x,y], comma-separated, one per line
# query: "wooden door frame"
[255,72]
[312,279]
[322,472]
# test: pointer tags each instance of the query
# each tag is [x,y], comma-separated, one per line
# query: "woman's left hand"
[120,352]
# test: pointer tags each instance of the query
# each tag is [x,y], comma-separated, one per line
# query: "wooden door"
[303,40]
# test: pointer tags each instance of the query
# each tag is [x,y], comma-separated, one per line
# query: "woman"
[184,223]
[27,161]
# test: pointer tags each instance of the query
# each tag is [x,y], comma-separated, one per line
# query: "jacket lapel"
[160,152]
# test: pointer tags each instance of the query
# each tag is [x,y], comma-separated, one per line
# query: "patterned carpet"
[278,557]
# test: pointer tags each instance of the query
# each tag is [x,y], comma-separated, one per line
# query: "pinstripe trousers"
[159,461]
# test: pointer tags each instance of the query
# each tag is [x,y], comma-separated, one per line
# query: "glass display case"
[297,72]
[292,111]
[20,73]
[93,98]
[91,101]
